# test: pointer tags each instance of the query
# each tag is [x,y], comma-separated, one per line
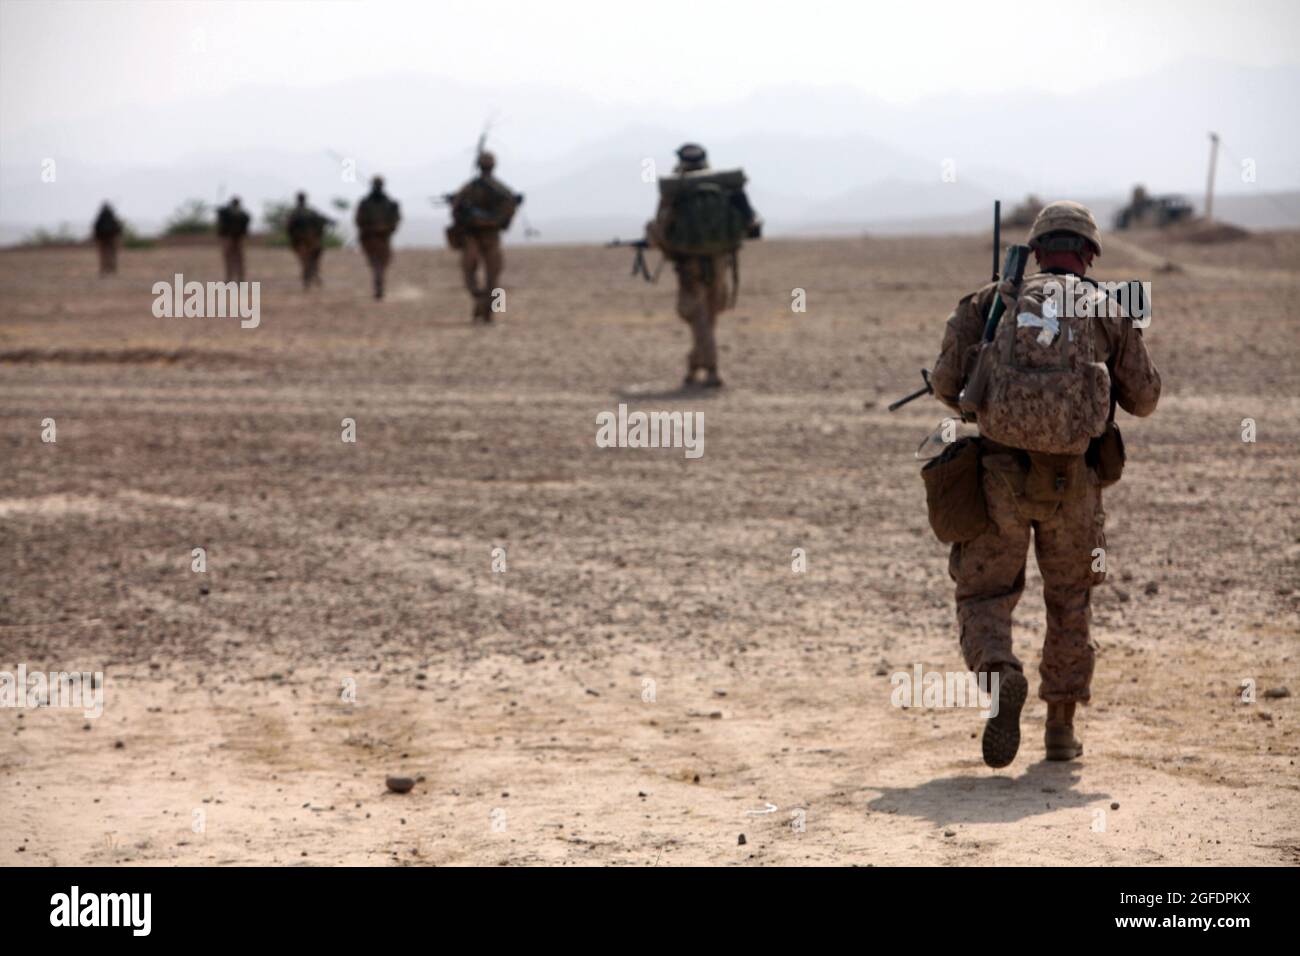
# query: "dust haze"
[577,654]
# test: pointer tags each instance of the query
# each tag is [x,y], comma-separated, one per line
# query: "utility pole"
[1209,185]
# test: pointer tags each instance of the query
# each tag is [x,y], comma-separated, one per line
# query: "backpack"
[706,217]
[305,222]
[377,214]
[486,203]
[232,222]
[1046,391]
[106,225]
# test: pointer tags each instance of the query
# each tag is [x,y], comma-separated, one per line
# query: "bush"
[44,237]
[133,240]
[191,218]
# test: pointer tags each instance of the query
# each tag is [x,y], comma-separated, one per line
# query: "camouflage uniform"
[376,219]
[703,293]
[989,570]
[232,227]
[306,228]
[482,208]
[704,289]
[108,232]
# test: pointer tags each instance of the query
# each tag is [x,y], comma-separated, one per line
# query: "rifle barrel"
[997,235]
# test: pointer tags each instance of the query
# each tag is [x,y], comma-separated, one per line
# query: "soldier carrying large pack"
[1040,362]
[306,229]
[481,210]
[232,229]
[107,230]
[702,220]
[376,220]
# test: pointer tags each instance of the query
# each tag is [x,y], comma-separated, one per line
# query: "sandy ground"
[648,679]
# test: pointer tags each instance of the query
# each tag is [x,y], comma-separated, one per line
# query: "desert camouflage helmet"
[486,161]
[1067,216]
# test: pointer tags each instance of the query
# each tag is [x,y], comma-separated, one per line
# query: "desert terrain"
[648,679]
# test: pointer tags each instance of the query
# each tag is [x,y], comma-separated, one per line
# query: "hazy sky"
[66,59]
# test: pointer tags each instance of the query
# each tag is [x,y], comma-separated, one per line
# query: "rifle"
[972,395]
[1017,256]
[639,267]
[928,390]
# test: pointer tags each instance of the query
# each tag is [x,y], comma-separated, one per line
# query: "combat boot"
[1059,739]
[1002,731]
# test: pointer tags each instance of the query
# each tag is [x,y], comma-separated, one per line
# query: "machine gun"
[639,267]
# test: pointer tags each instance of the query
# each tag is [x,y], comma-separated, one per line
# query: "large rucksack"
[707,218]
[1046,391]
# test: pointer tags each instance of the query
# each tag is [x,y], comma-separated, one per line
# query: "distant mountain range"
[826,160]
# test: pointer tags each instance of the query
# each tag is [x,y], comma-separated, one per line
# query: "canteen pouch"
[954,495]
[1106,455]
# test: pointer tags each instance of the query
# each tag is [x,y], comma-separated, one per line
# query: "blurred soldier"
[306,229]
[700,223]
[1055,498]
[232,228]
[481,210]
[108,231]
[377,218]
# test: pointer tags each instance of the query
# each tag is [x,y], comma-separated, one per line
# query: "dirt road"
[648,678]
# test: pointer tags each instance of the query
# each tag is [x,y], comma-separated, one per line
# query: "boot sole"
[1002,733]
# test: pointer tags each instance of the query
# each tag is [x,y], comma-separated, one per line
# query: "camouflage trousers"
[989,571]
[232,253]
[482,246]
[308,249]
[107,256]
[379,252]
[702,294]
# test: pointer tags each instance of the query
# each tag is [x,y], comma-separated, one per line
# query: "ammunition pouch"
[1106,455]
[456,236]
[954,495]
[1038,482]
[1055,478]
